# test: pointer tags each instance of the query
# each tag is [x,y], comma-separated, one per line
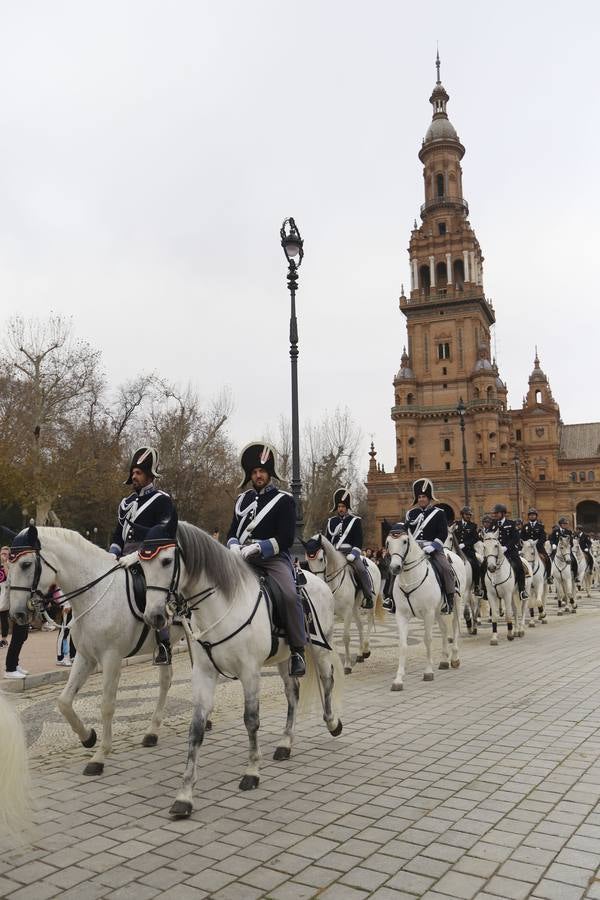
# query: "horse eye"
[166,563]
[26,564]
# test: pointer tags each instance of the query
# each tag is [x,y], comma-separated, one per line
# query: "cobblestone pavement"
[484,783]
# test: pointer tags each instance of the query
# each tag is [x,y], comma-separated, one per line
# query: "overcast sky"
[150,150]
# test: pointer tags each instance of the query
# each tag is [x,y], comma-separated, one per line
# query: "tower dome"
[441,128]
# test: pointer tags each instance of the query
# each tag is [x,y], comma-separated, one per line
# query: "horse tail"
[379,612]
[311,688]
[15,809]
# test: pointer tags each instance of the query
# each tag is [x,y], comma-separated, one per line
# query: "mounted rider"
[142,510]
[534,530]
[563,531]
[585,542]
[262,530]
[467,535]
[344,531]
[510,538]
[428,525]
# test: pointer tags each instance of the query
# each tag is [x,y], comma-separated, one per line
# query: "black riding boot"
[297,662]
[162,654]
[388,600]
[364,582]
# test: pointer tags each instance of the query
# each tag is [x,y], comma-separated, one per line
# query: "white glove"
[429,548]
[250,550]
[462,546]
[350,557]
[237,548]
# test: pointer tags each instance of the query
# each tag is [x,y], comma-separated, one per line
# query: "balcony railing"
[419,409]
[451,202]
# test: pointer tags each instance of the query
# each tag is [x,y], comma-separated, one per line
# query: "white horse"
[502,588]
[563,576]
[595,551]
[15,811]
[332,566]
[417,594]
[584,573]
[471,602]
[231,638]
[103,628]
[539,586]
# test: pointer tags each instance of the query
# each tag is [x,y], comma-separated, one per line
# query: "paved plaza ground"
[484,783]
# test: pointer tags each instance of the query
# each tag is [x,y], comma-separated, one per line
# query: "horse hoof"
[397,687]
[208,726]
[494,642]
[337,730]
[559,613]
[360,659]
[347,670]
[150,740]
[531,624]
[249,782]
[428,676]
[367,654]
[544,621]
[181,809]
[282,753]
[444,665]
[455,663]
[94,768]
[89,742]
[510,636]
[521,632]
[474,632]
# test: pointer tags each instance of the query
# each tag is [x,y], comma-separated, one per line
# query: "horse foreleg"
[251,685]
[361,633]
[428,619]
[111,674]
[398,682]
[347,623]
[510,604]
[443,626]
[454,656]
[81,670]
[492,600]
[165,676]
[292,693]
[203,691]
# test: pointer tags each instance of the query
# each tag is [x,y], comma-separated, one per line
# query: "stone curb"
[54,676]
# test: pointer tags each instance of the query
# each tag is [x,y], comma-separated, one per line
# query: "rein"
[34,591]
[403,568]
[510,571]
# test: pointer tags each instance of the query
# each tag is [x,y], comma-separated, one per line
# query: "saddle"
[438,575]
[274,599]
[136,591]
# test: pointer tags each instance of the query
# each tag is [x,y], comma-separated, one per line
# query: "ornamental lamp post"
[293,247]
[518,484]
[461,410]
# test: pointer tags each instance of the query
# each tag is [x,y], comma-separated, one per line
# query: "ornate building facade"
[449,387]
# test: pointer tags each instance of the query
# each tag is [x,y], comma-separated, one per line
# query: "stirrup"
[447,607]
[388,604]
[367,603]
[524,595]
[162,655]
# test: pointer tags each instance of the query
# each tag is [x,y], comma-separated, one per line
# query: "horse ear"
[32,535]
[319,540]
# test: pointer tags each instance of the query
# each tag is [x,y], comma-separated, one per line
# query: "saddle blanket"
[274,599]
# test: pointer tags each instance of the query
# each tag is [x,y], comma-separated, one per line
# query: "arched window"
[410,399]
[490,393]
[441,274]
[439,183]
[538,396]
[458,274]
[447,445]
[590,476]
[582,476]
[425,279]
[476,393]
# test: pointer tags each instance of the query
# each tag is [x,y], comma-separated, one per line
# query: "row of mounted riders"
[229,623]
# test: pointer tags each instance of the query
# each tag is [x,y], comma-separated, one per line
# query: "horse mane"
[70,537]
[328,546]
[202,554]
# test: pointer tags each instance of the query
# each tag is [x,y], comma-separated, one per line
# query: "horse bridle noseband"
[41,603]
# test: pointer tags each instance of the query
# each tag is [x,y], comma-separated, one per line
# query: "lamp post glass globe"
[291,242]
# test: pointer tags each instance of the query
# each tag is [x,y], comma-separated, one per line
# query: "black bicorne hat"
[342,495]
[423,486]
[256,455]
[146,459]
[24,542]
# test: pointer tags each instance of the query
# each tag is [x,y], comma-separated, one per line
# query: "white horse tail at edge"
[15,803]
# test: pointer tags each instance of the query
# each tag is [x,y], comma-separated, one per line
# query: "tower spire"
[437,65]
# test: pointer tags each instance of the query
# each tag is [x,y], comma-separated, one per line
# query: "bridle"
[329,578]
[40,603]
[175,603]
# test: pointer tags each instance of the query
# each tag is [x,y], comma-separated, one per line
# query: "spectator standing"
[4,601]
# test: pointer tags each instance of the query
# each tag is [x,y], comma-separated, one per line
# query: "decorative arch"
[441,274]
[425,279]
[458,274]
[588,515]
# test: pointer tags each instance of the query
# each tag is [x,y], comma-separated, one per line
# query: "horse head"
[529,550]
[398,546]
[563,547]
[31,575]
[163,567]
[492,550]
[315,554]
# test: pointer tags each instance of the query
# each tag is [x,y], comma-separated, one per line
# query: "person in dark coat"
[559,531]
[344,530]
[467,535]
[429,526]
[533,529]
[510,538]
[262,530]
[142,510]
